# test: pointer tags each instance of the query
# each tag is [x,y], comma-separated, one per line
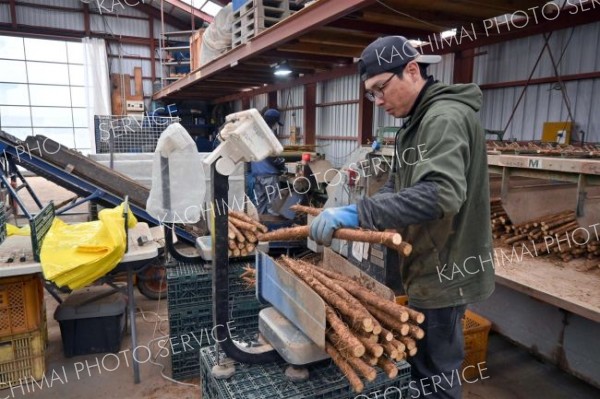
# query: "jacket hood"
[468,94]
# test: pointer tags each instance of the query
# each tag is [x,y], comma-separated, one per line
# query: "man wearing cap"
[266,172]
[436,196]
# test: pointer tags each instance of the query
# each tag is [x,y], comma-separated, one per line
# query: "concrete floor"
[512,372]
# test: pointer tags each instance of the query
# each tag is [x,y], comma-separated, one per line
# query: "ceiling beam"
[504,33]
[316,48]
[13,13]
[378,29]
[319,77]
[336,39]
[303,21]
[402,22]
[287,55]
[169,19]
[36,31]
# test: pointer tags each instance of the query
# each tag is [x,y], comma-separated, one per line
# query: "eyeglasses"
[378,92]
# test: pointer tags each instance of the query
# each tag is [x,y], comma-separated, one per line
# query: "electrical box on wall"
[135,106]
[557,132]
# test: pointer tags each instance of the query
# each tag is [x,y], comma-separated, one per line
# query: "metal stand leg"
[131,304]
[220,280]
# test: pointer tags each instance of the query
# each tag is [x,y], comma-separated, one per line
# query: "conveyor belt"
[81,175]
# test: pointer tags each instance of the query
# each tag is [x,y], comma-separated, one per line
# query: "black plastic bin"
[92,320]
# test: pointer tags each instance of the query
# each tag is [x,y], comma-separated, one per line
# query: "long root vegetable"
[343,365]
[245,218]
[355,316]
[408,342]
[416,332]
[367,321]
[372,348]
[388,366]
[240,224]
[242,233]
[389,239]
[362,367]
[363,330]
[236,233]
[356,347]
[306,209]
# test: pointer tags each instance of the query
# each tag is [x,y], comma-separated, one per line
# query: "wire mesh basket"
[127,134]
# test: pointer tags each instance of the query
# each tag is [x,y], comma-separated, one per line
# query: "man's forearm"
[412,205]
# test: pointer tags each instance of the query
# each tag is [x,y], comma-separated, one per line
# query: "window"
[208,7]
[42,90]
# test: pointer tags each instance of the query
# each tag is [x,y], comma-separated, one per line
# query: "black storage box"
[92,320]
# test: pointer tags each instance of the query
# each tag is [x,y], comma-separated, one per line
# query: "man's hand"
[324,225]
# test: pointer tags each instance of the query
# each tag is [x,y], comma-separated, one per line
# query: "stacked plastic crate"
[254,16]
[191,318]
[268,381]
[23,332]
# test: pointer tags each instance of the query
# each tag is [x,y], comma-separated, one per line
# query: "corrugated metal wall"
[514,60]
[117,63]
[4,13]
[288,100]
[443,72]
[259,102]
[237,105]
[51,18]
[337,120]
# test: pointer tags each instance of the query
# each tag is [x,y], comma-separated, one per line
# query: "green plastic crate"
[268,381]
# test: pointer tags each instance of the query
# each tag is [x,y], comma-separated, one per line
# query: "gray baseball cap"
[389,53]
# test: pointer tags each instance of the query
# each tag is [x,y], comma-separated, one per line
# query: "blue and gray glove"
[324,225]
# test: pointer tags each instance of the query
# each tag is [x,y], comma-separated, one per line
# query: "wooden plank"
[565,165]
[196,49]
[115,95]
[550,280]
[127,86]
[139,88]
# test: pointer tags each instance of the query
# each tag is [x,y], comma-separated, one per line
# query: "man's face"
[399,93]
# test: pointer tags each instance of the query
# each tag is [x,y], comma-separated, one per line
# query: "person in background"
[265,173]
[437,197]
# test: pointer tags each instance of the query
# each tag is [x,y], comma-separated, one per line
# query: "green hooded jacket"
[440,200]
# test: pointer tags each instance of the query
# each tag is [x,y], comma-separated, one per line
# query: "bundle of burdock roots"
[242,234]
[363,329]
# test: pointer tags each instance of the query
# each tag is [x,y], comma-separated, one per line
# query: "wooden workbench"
[565,285]
[550,307]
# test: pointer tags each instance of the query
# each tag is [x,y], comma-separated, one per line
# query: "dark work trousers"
[436,368]
[266,190]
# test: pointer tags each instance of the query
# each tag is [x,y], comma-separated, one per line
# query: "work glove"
[328,221]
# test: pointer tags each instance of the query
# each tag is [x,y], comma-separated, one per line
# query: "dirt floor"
[512,373]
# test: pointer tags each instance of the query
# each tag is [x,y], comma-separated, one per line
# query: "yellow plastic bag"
[12,230]
[77,255]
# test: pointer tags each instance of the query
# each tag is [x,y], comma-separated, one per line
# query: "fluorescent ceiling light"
[282,69]
[448,33]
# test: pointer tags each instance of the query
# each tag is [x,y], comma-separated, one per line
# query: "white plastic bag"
[178,181]
[217,37]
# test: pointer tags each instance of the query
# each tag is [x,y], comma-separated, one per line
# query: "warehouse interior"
[144,254]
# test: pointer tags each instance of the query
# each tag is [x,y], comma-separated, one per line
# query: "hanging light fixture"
[282,69]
